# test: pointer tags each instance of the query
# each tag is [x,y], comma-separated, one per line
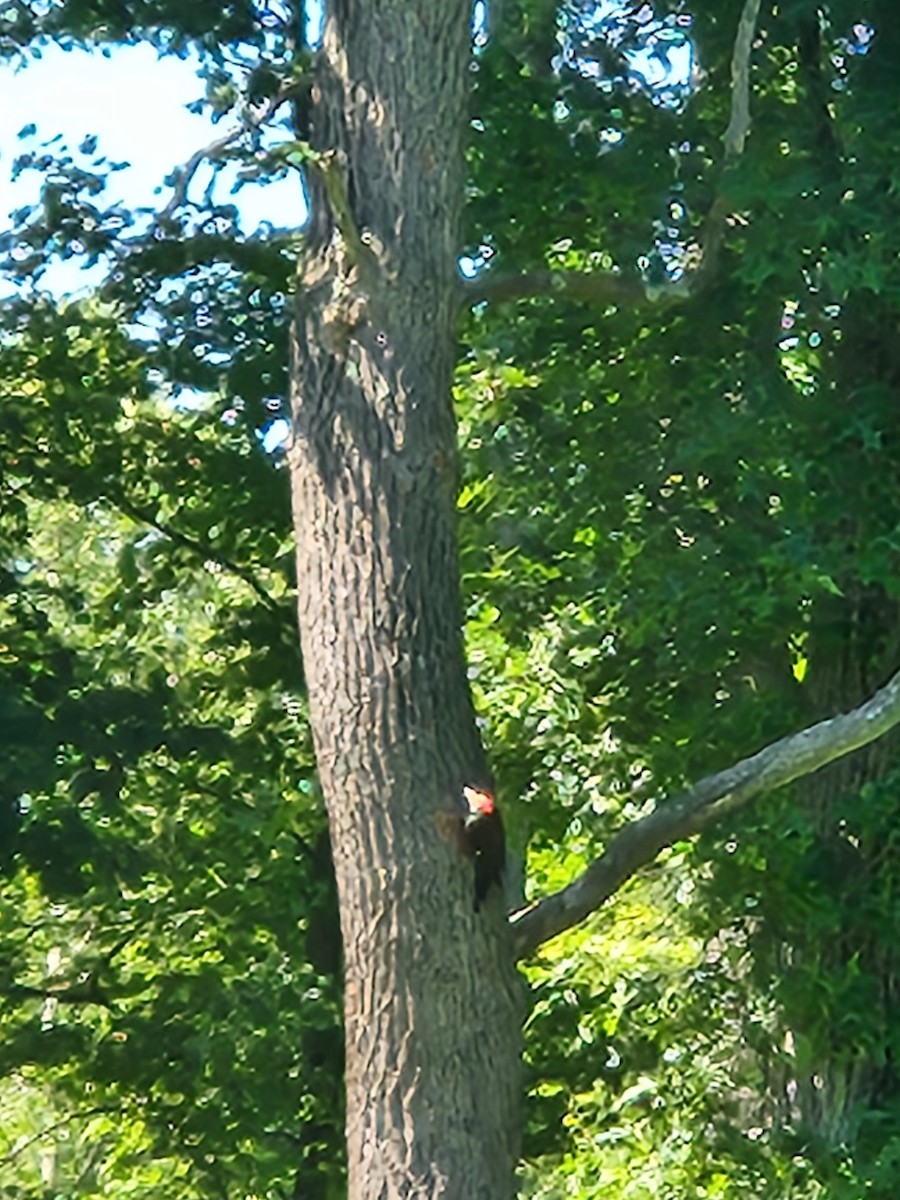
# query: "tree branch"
[639,843]
[615,287]
[82,1115]
[144,517]
[88,991]
[182,176]
[250,121]
[739,125]
[609,287]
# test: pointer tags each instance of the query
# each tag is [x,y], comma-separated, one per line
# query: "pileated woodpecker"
[485,841]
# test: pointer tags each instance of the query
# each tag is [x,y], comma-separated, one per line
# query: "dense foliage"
[678,525]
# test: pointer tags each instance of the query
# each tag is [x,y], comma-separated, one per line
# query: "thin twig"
[199,548]
[249,122]
[82,1115]
[183,175]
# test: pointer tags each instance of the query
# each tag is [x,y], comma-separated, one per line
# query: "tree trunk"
[431,995]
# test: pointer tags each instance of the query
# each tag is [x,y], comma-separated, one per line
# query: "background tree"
[671,553]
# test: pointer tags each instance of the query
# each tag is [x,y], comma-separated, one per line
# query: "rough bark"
[431,1001]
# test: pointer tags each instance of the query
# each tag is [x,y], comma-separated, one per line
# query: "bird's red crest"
[479,801]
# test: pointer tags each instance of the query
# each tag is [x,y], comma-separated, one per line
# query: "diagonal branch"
[639,843]
[79,1115]
[201,549]
[183,176]
[615,287]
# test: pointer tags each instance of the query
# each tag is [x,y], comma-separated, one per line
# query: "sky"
[135,102]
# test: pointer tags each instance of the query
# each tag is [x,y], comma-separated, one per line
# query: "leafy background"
[678,539]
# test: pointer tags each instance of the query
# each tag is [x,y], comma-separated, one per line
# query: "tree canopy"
[675,404]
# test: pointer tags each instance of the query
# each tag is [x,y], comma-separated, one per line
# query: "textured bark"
[431,1003]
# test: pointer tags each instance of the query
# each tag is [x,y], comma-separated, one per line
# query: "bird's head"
[479,802]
